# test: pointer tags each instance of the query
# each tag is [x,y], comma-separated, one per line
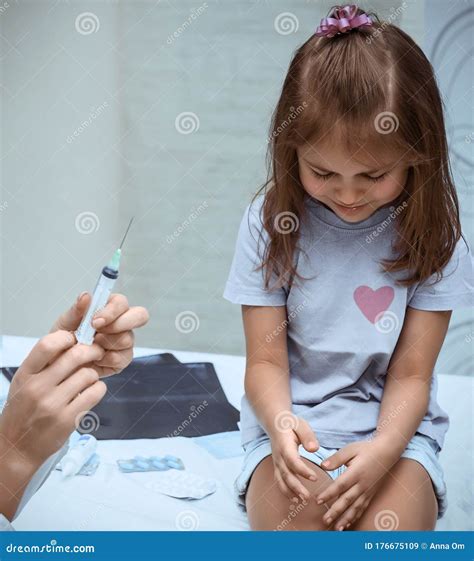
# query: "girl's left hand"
[114,325]
[367,463]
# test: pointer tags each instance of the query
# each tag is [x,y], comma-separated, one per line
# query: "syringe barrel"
[85,332]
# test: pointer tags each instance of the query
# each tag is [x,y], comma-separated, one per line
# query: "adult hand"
[49,394]
[114,324]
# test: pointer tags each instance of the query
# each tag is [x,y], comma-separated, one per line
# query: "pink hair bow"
[342,19]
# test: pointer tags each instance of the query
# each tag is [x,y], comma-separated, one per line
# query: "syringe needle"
[86,331]
[126,232]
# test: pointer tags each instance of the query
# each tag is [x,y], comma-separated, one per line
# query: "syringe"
[85,332]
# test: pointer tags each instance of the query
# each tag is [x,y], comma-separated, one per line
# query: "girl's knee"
[406,501]
[278,516]
[268,508]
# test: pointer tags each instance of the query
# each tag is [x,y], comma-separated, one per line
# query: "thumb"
[70,320]
[338,459]
[306,435]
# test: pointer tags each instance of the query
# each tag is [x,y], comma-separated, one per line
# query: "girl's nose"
[350,198]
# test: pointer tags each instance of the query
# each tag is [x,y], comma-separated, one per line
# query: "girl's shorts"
[421,448]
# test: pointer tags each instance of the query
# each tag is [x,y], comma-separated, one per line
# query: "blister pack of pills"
[152,463]
[182,485]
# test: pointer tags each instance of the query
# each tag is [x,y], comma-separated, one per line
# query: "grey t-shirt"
[344,322]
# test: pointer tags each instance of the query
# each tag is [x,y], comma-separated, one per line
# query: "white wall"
[54,79]
[448,44]
[225,66]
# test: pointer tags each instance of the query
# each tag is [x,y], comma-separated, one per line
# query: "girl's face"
[351,189]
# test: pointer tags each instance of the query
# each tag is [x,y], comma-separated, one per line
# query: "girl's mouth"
[350,210]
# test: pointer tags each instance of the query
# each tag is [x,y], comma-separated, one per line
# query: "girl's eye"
[324,177]
[378,178]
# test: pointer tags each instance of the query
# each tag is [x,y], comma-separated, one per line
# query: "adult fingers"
[137,316]
[115,307]
[103,372]
[71,319]
[47,348]
[76,383]
[73,359]
[85,401]
[117,360]
[115,342]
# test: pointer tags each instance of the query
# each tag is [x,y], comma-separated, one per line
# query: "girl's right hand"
[291,431]
[49,394]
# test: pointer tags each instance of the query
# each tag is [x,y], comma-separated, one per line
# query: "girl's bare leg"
[269,509]
[405,501]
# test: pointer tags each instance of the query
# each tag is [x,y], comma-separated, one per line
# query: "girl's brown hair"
[363,81]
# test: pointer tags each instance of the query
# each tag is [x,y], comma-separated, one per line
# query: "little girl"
[348,264]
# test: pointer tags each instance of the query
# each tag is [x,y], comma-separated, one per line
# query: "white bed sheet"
[110,500]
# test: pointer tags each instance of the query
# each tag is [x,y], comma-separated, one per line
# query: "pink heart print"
[373,302]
